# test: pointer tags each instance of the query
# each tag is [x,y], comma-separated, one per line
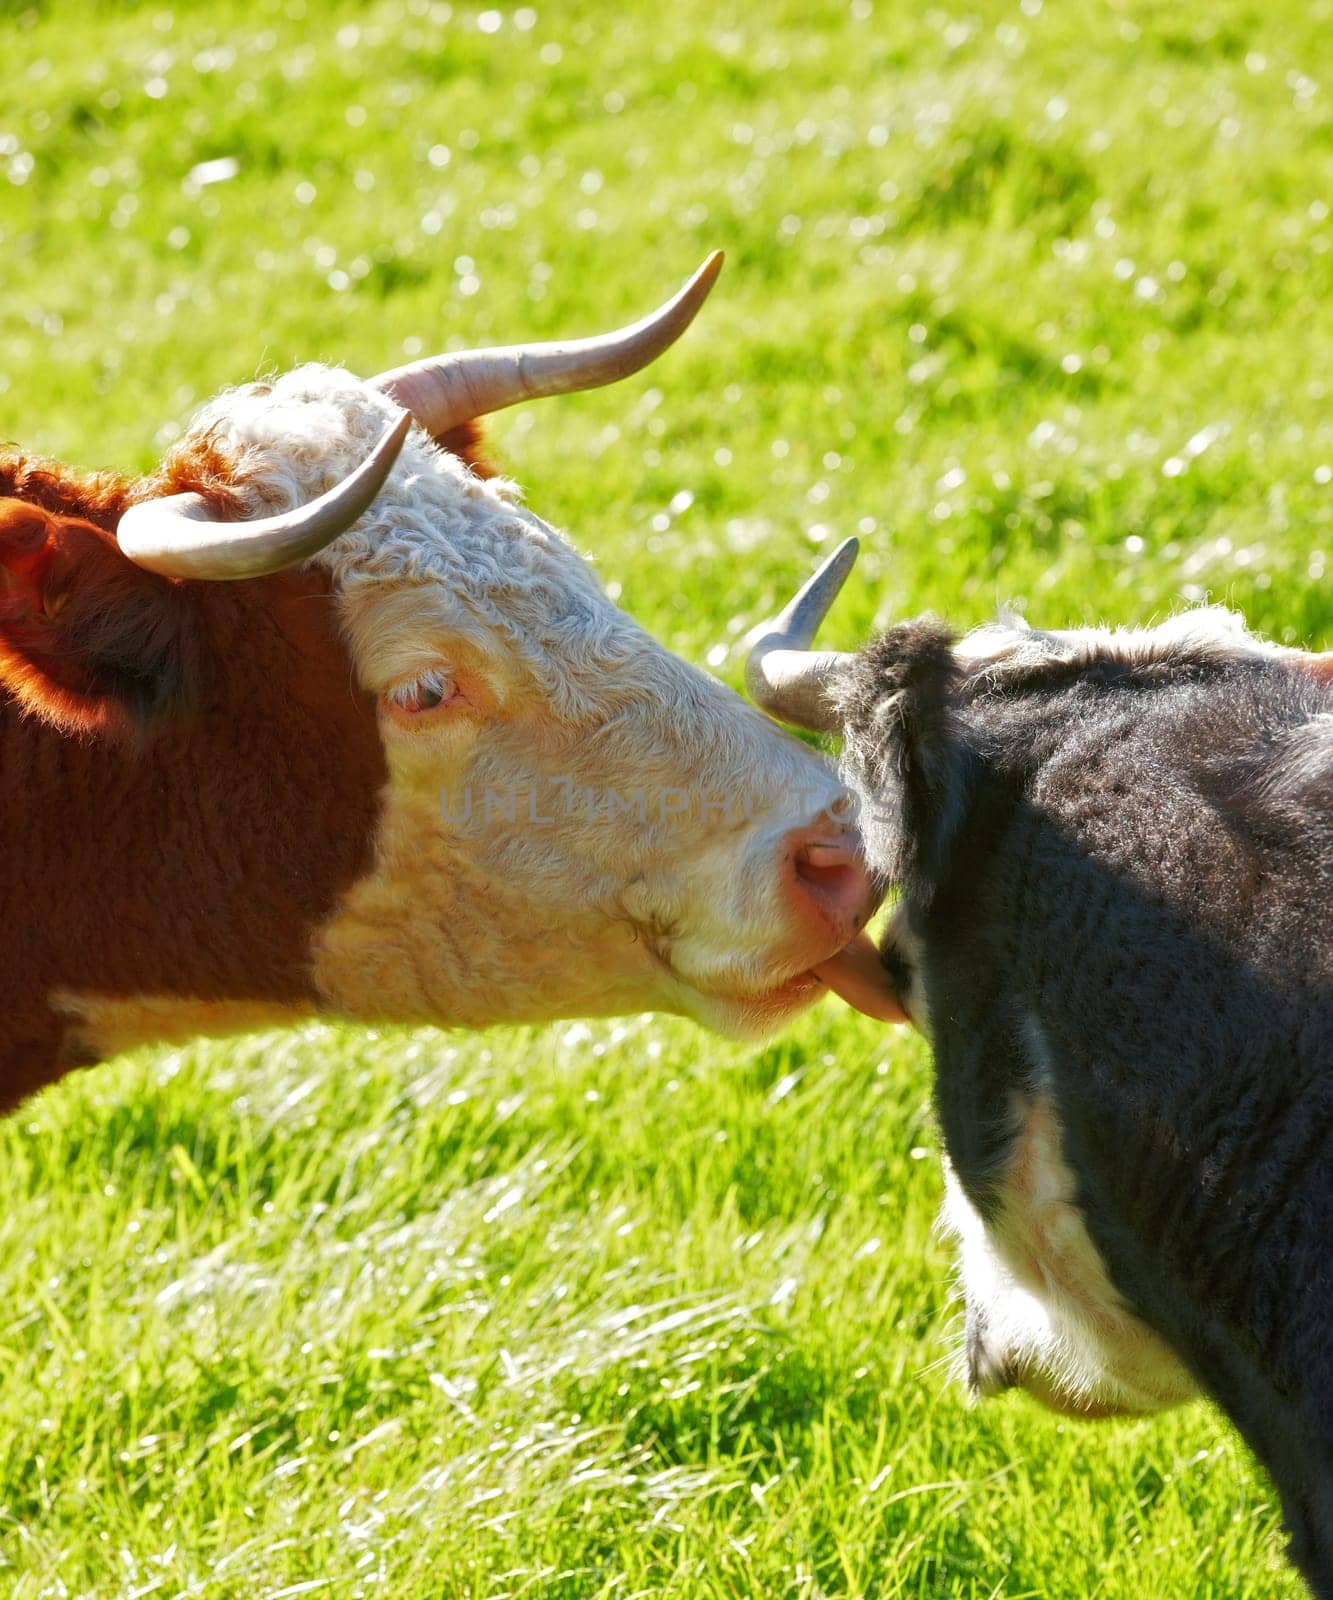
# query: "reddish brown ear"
[466,442]
[88,640]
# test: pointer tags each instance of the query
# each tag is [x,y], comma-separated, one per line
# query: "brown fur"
[97,497]
[465,442]
[189,776]
[88,641]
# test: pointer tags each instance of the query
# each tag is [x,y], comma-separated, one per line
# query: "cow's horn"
[444,391]
[175,536]
[782,673]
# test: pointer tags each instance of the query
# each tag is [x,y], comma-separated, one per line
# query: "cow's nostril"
[832,874]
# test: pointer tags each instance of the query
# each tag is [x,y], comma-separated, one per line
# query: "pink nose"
[830,884]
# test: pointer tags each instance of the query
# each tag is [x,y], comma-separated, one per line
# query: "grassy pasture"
[1036,297]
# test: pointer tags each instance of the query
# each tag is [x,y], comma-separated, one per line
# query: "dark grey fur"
[1134,844]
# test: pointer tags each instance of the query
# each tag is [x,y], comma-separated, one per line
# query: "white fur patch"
[1051,1314]
[597,826]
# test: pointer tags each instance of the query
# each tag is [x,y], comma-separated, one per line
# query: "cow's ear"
[466,441]
[88,641]
[907,750]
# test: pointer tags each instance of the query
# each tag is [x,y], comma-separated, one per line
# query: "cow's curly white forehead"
[510,578]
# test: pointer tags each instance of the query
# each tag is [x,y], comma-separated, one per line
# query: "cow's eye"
[426,693]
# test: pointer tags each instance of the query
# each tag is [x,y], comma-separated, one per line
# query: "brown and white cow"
[408,762]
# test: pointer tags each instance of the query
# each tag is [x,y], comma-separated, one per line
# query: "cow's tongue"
[855,974]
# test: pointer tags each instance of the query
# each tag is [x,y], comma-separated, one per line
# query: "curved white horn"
[444,391]
[783,675]
[176,537]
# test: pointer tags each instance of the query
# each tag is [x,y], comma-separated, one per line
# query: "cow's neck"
[173,886]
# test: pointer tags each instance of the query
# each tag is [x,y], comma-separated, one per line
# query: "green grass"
[620,1310]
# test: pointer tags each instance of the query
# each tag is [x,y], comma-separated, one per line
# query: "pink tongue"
[855,974]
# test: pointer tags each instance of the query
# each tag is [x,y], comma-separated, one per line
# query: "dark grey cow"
[1116,927]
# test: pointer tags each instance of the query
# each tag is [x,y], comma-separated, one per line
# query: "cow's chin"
[756,1014]
[1108,1399]
[854,973]
[1094,1406]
